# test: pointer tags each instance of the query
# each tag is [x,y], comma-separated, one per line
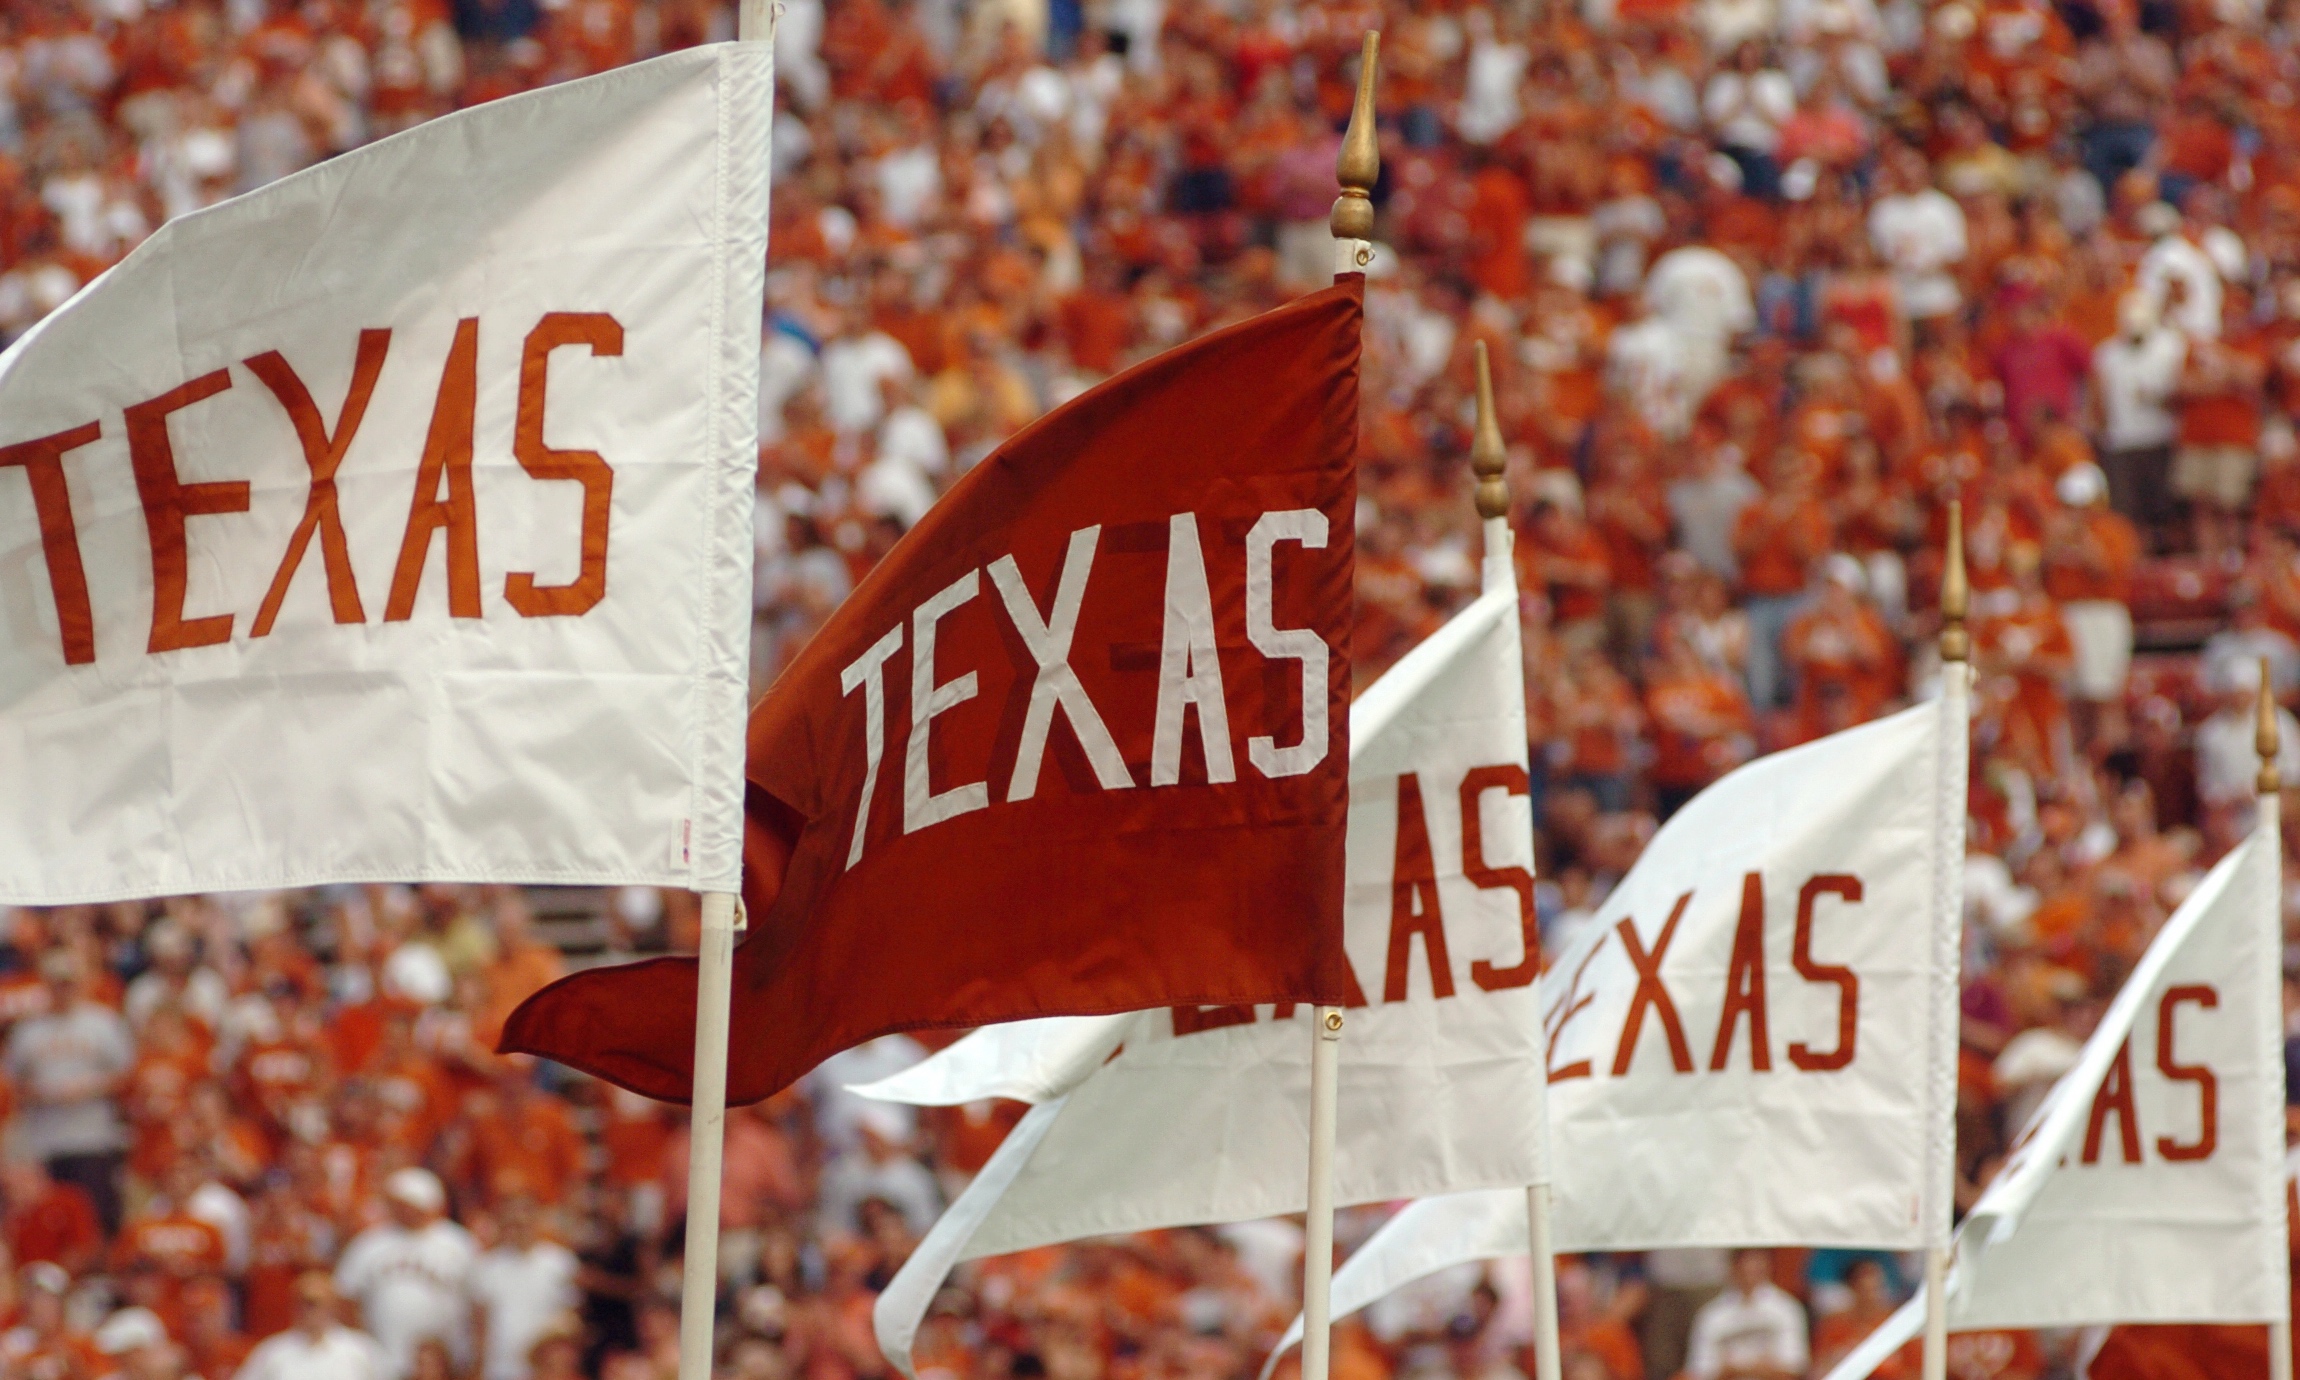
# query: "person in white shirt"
[854,366]
[2134,374]
[1746,103]
[1648,366]
[1919,231]
[68,1066]
[2225,776]
[2180,280]
[840,1114]
[880,1167]
[319,1346]
[177,975]
[1752,1331]
[1705,296]
[2198,258]
[519,1291]
[1490,106]
[411,1275]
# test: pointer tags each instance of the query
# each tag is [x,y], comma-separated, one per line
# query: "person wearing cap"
[69,1065]
[43,1341]
[2090,553]
[319,1346]
[134,1342]
[411,1274]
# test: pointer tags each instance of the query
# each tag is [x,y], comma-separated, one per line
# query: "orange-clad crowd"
[1769,283]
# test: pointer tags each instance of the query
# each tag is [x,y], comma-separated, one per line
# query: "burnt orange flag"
[1079,744]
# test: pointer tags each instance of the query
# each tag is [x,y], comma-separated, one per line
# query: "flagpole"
[1489,461]
[714,1000]
[707,1138]
[1948,925]
[2269,828]
[1352,226]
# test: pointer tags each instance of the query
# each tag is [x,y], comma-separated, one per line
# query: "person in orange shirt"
[1498,207]
[287,1066]
[1776,540]
[214,1346]
[1586,1330]
[2022,640]
[523,1141]
[287,1237]
[417,1098]
[47,1220]
[2220,395]
[1701,722]
[1597,718]
[1844,663]
[1629,511]
[164,1248]
[170,1063]
[588,36]
[1838,1333]
[522,966]
[1563,555]
[967,1135]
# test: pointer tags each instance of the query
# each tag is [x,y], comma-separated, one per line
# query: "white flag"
[1203,1115]
[393,522]
[2148,1186]
[1743,1049]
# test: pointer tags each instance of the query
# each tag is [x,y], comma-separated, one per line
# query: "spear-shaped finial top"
[1360,165]
[1956,594]
[1488,458]
[2265,738]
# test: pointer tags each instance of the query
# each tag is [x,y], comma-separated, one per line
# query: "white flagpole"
[1489,460]
[1318,1228]
[1948,931]
[2268,827]
[714,991]
[1352,225]
[707,1136]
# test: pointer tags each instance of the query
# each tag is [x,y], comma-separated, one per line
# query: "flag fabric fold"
[1077,745]
[393,522]
[1202,1114]
[2147,1187]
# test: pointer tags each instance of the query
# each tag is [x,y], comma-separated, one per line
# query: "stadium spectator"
[411,1275]
[318,1346]
[1752,1331]
[521,1292]
[71,1061]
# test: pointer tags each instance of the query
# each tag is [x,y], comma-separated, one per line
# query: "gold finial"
[1360,165]
[1488,458]
[2265,736]
[1956,595]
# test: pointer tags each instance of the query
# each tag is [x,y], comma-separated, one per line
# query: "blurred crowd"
[1768,283]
